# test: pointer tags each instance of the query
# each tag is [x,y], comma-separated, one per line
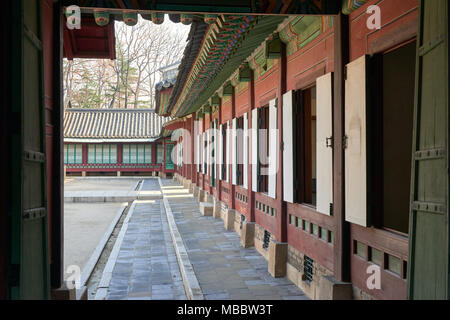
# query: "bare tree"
[130,79]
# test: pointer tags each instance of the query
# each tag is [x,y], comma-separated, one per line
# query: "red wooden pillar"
[209,153]
[119,153]
[251,102]
[85,154]
[219,182]
[192,151]
[183,148]
[203,150]
[231,155]
[186,170]
[163,165]
[190,148]
[342,232]
[154,152]
[180,146]
[282,222]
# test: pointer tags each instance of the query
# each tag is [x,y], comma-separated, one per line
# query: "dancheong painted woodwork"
[223,6]
[286,79]
[309,76]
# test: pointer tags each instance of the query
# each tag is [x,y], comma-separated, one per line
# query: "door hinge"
[344,142]
[34,213]
[14,275]
[345,73]
[282,146]
[331,209]
[329,142]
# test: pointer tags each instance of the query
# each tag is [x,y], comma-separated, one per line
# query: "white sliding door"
[324,149]
[355,152]
[273,149]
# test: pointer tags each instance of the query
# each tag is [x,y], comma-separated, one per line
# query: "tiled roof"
[112,123]
[195,38]
[214,56]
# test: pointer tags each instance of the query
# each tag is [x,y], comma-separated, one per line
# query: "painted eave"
[81,140]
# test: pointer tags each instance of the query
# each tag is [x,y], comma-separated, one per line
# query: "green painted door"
[29,253]
[428,276]
[169,162]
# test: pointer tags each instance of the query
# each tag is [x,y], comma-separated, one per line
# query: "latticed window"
[159,153]
[102,153]
[137,153]
[73,153]
[308,269]
[266,240]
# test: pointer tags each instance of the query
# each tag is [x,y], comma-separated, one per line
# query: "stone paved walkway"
[146,267]
[224,269]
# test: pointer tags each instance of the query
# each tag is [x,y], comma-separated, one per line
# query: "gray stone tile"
[217,296]
[148,267]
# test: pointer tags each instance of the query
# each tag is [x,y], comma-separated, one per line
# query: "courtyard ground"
[84,226]
[165,249]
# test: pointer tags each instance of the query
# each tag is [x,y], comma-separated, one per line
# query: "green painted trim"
[245,73]
[228,89]
[273,47]
[348,6]
[260,28]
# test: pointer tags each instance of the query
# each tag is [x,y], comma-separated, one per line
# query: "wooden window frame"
[205,155]
[375,132]
[239,151]
[73,159]
[162,159]
[224,150]
[213,152]
[303,146]
[263,123]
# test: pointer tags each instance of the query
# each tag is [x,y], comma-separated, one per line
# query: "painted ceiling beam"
[325,7]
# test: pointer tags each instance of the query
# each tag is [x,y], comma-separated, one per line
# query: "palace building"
[116,142]
[318,130]
[300,129]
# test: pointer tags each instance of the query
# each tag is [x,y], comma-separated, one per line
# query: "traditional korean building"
[164,88]
[116,142]
[300,130]
[354,184]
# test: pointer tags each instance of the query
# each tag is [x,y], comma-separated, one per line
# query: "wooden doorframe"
[57,188]
[342,233]
[5,128]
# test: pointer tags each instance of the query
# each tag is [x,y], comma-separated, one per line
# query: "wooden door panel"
[324,150]
[29,252]
[429,243]
[355,151]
